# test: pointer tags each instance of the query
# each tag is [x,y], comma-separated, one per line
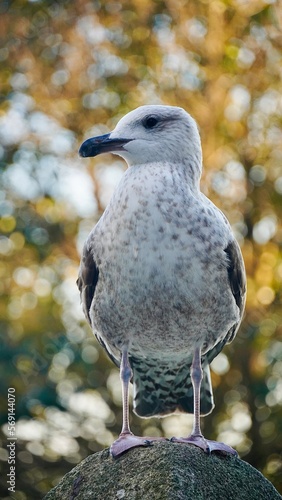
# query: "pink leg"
[196,437]
[127,439]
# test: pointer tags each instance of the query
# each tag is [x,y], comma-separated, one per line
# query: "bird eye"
[150,122]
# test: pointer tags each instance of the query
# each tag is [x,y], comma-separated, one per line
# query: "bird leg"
[126,439]
[196,437]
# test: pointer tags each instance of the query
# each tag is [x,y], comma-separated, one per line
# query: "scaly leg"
[126,439]
[196,437]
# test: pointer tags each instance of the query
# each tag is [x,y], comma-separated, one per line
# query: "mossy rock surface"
[164,471]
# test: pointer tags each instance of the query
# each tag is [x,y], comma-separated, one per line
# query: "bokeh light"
[70,70]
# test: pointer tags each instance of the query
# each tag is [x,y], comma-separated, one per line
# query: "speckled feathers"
[161,272]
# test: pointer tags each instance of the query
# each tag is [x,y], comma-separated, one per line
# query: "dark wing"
[237,281]
[87,281]
[236,274]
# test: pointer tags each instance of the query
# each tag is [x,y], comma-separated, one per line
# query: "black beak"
[101,144]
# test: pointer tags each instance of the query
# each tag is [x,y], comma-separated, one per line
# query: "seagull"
[162,279]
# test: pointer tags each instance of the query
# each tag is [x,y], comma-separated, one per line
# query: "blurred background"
[70,70]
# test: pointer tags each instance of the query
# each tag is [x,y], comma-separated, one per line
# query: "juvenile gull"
[161,278]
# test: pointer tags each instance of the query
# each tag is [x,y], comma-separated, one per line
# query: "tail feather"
[160,390]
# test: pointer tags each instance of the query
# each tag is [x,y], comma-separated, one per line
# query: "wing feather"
[237,281]
[87,281]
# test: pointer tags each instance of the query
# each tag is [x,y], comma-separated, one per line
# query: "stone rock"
[163,471]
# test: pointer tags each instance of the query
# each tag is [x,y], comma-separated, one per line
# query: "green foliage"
[71,69]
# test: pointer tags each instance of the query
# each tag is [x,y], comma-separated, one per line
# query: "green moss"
[164,471]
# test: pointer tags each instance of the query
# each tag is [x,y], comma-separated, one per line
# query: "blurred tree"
[69,70]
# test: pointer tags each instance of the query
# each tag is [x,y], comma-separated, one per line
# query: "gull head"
[151,134]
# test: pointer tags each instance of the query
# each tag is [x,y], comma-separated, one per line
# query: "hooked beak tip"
[101,144]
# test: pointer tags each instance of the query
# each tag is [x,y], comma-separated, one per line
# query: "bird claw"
[206,445]
[221,448]
[127,441]
[199,441]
